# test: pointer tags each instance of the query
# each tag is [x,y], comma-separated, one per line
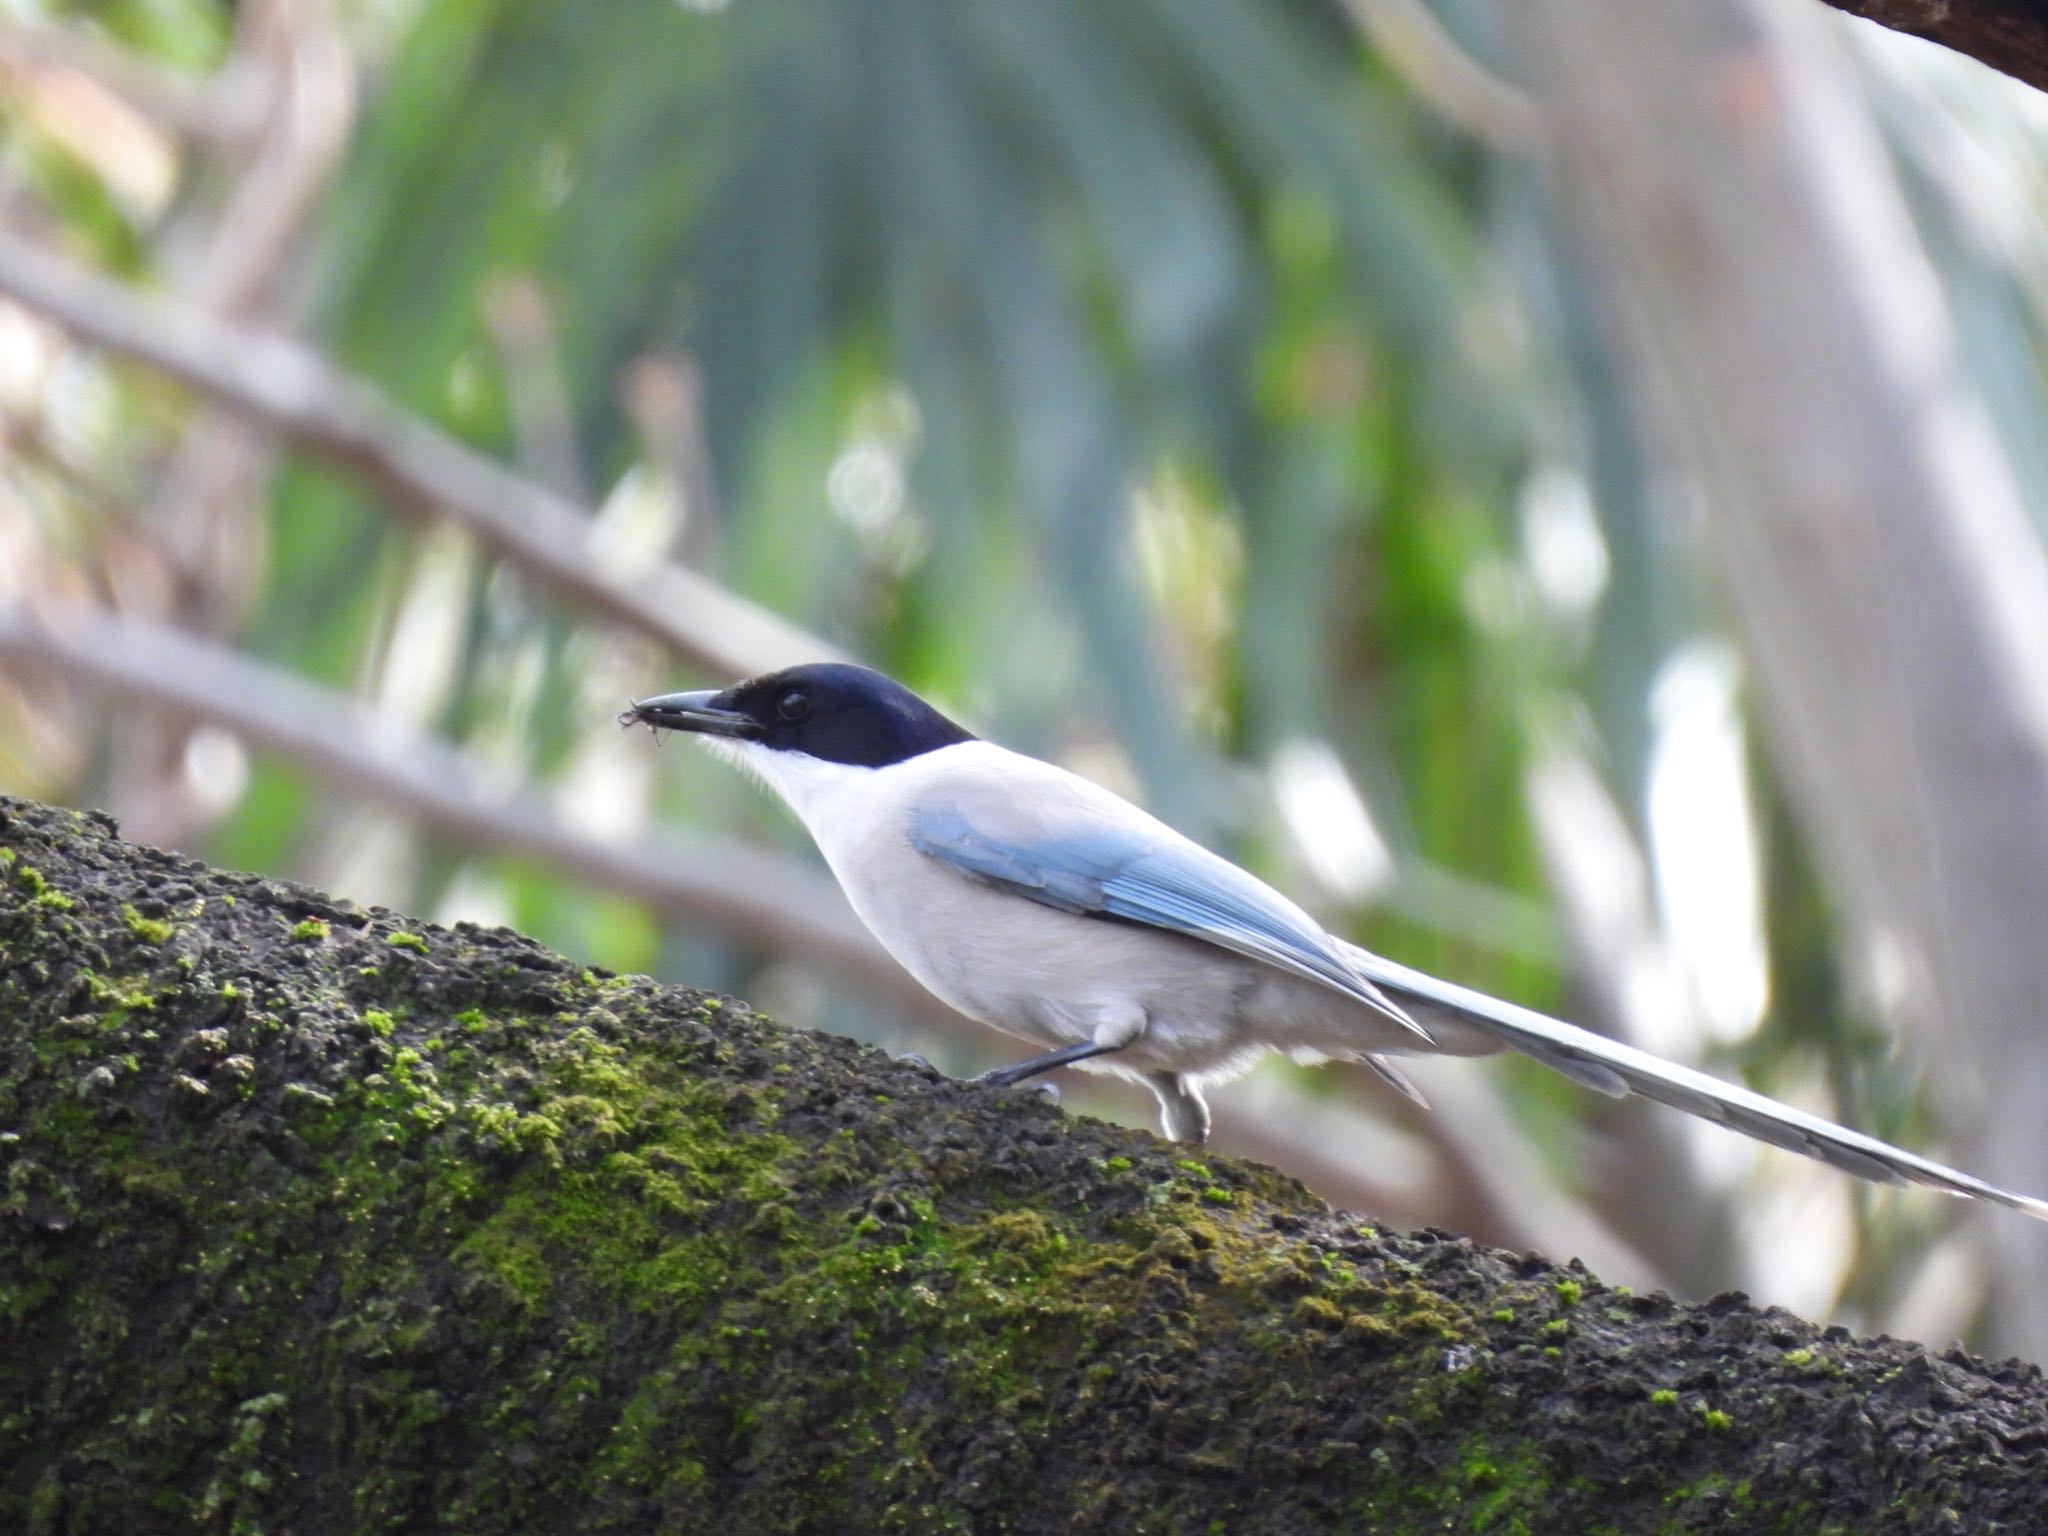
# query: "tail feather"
[1395,1079]
[1611,1067]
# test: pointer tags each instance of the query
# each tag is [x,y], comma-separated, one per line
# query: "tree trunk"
[1794,348]
[316,1219]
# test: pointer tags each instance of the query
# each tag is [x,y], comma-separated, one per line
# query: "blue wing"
[1135,875]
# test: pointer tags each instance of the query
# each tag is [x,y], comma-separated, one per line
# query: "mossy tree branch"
[318,1220]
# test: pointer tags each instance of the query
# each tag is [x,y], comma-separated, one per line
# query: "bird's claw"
[1007,1078]
[998,1078]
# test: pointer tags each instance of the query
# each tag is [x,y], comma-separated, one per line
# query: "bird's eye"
[793,705]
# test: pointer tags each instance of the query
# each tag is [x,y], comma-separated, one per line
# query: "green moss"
[1495,1487]
[1570,1292]
[1715,1419]
[1664,1397]
[1731,1503]
[43,894]
[240,1477]
[1319,1312]
[1812,1364]
[405,940]
[151,930]
[312,930]
[1504,1315]
[119,996]
[380,1022]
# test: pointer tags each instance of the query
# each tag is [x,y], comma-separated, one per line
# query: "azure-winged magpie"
[1046,906]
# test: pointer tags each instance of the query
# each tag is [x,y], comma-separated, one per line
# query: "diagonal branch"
[288,388]
[173,100]
[725,1276]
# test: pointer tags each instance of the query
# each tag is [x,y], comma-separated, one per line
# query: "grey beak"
[690,712]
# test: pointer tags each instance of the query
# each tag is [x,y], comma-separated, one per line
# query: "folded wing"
[1138,872]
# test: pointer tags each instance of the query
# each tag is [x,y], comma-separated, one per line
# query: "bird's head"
[830,711]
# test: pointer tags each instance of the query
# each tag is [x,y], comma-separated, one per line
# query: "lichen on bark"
[316,1219]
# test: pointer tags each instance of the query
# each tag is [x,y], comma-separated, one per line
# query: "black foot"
[1066,1055]
[1004,1077]
[1007,1078]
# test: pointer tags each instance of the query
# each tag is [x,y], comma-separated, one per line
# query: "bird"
[1047,907]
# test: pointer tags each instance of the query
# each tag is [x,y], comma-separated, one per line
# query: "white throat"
[817,790]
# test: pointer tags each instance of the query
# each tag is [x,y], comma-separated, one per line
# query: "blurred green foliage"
[1047,256]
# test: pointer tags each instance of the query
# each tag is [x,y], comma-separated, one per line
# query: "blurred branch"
[2009,35]
[749,897]
[172,100]
[1436,67]
[291,389]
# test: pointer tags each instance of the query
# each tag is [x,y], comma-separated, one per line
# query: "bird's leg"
[1183,1113]
[1003,1077]
[1113,1031]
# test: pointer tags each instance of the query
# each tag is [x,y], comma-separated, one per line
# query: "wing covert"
[1129,874]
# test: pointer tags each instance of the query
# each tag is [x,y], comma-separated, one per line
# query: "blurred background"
[1556,491]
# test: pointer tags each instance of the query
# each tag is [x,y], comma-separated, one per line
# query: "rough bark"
[315,1219]
[2009,35]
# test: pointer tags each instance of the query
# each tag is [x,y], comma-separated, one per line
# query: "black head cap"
[828,710]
